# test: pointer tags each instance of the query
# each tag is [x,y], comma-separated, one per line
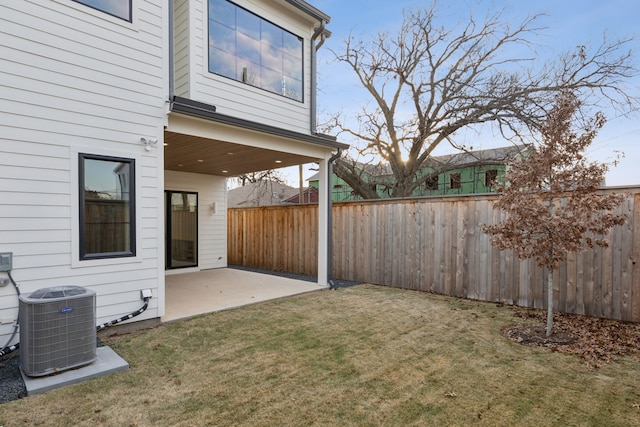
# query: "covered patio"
[207,291]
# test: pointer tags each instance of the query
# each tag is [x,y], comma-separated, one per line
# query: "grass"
[362,356]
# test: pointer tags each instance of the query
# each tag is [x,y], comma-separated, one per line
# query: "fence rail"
[436,245]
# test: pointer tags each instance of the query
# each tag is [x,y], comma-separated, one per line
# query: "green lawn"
[361,356]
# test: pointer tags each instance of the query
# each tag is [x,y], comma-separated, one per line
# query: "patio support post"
[323,220]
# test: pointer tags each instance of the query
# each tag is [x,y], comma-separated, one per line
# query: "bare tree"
[272,175]
[427,82]
[550,197]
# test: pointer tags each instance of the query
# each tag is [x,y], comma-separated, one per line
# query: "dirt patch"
[595,340]
[535,335]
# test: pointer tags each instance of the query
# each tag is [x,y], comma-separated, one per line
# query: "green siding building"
[465,173]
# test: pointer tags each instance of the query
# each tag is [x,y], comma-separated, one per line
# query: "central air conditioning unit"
[57,329]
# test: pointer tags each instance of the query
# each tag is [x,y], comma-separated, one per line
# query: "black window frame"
[84,256]
[244,77]
[168,224]
[95,7]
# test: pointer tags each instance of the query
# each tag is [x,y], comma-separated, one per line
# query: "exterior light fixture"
[148,142]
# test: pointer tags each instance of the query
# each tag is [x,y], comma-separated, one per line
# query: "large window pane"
[271,58]
[247,23]
[118,8]
[261,53]
[248,48]
[271,35]
[222,61]
[222,37]
[292,88]
[107,207]
[222,11]
[290,66]
[248,72]
[271,80]
[292,45]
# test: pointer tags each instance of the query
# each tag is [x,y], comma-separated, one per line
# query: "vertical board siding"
[437,245]
[181,46]
[274,238]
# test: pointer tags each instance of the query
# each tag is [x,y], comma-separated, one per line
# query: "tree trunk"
[549,302]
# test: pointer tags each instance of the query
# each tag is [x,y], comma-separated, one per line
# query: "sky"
[568,23]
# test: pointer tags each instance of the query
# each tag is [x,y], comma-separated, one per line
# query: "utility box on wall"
[57,329]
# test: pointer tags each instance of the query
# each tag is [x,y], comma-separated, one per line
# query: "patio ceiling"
[187,153]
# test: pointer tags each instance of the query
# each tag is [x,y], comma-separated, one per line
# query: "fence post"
[635,256]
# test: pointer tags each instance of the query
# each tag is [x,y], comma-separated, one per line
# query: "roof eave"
[310,10]
[206,111]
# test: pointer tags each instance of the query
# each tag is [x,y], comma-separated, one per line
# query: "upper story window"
[107,207]
[431,183]
[455,181]
[490,177]
[249,49]
[118,8]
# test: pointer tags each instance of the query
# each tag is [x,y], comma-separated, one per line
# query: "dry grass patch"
[360,356]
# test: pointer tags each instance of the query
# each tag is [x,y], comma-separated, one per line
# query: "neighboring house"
[465,173]
[261,193]
[309,195]
[120,122]
[269,193]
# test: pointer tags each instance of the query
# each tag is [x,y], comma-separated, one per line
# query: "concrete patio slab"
[207,291]
[107,361]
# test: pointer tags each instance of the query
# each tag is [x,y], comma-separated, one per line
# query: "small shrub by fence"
[437,245]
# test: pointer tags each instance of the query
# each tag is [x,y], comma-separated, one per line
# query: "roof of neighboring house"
[499,155]
[310,195]
[262,193]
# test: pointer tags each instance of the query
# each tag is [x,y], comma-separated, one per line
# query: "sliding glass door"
[181,229]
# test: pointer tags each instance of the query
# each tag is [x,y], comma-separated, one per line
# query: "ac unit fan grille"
[57,333]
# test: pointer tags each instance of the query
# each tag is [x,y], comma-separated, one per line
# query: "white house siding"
[73,79]
[212,226]
[181,47]
[235,98]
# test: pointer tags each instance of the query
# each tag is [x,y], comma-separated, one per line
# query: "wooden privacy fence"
[437,245]
[280,238]
[106,225]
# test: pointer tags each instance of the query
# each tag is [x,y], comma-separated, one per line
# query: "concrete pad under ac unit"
[107,361]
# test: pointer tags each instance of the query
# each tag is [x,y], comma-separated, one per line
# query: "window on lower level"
[118,8]
[252,50]
[454,181]
[107,207]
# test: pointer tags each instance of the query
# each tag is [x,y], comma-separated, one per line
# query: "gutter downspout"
[330,220]
[319,32]
[171,53]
